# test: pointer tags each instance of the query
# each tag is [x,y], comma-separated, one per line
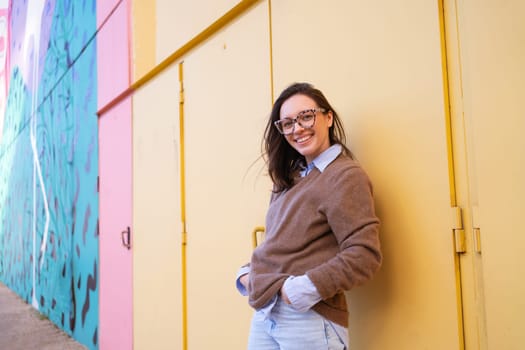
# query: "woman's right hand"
[244,280]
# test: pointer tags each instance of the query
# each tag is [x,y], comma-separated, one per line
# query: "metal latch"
[476,232]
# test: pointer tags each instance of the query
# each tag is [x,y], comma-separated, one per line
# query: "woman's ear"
[330,117]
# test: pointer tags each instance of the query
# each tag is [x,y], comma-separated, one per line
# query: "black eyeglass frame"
[297,120]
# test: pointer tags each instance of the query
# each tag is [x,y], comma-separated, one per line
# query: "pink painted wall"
[113,48]
[115,162]
[4,61]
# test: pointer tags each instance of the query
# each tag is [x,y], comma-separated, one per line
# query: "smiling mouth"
[303,139]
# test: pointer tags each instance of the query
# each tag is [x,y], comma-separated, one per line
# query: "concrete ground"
[24,328]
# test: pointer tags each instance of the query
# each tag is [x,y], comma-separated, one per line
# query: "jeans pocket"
[334,341]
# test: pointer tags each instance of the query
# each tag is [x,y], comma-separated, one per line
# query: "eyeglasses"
[306,119]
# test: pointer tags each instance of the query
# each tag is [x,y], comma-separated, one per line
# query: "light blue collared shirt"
[300,290]
[323,160]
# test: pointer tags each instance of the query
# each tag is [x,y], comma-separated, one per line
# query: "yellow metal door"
[157,309]
[227,100]
[156,215]
[380,63]
[487,75]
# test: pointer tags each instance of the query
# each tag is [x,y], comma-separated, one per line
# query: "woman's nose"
[297,127]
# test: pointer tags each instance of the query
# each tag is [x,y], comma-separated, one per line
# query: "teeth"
[303,139]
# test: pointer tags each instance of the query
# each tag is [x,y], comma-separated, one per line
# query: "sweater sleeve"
[349,210]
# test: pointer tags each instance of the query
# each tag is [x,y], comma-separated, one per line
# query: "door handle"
[255,233]
[126,238]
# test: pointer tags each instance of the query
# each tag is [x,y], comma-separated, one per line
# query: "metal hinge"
[459,232]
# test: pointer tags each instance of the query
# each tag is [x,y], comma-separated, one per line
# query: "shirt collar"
[323,160]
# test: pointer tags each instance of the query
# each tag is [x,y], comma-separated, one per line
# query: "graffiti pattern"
[49,164]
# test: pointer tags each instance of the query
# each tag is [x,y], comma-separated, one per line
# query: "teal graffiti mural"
[49,164]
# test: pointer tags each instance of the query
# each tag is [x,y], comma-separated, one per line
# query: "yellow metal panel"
[492,53]
[227,101]
[380,65]
[143,36]
[180,20]
[156,214]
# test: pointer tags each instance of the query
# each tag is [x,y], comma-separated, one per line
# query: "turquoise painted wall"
[49,164]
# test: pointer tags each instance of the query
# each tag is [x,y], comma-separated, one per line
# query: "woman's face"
[309,142]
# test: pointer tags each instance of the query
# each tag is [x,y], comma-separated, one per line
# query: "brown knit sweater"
[324,226]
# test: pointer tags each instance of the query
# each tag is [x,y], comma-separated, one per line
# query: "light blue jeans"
[287,329]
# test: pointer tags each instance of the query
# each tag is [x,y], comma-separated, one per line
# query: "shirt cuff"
[242,271]
[301,292]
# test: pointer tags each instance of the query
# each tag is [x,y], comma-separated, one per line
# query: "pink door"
[116,288]
[115,183]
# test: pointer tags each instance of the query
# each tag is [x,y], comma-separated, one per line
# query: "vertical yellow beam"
[183,211]
[271,48]
[451,167]
[446,96]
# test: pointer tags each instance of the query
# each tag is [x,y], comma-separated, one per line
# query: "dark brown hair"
[282,159]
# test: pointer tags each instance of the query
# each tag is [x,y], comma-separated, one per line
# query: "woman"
[321,229]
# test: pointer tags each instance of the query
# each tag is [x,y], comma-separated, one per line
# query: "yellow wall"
[178,21]
[156,215]
[382,66]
